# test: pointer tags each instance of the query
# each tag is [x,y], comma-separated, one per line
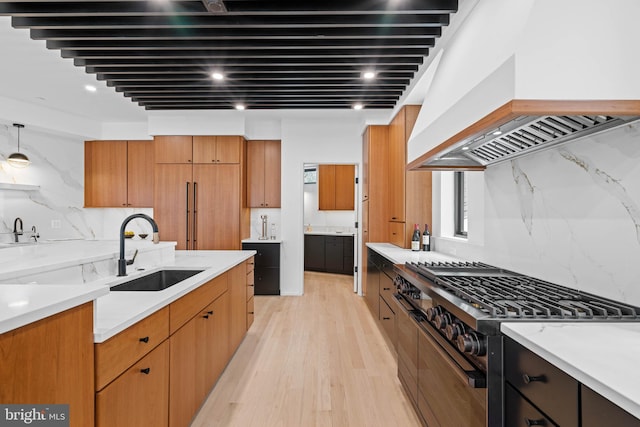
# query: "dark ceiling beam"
[236,33]
[318,43]
[263,94]
[205,85]
[403,77]
[275,55]
[230,21]
[264,81]
[195,7]
[302,62]
[257,98]
[171,91]
[258,69]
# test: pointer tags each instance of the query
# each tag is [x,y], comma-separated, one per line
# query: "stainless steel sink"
[156,281]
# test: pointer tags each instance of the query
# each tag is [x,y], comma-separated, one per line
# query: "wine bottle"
[426,239]
[415,239]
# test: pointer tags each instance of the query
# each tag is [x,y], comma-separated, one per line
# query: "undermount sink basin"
[156,281]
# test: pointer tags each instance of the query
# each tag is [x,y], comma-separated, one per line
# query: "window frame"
[460,203]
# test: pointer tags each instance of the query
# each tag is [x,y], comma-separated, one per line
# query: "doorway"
[331,219]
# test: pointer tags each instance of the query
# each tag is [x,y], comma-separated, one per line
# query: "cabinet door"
[598,411]
[237,305]
[173,188]
[228,149]
[365,163]
[256,173]
[173,149]
[105,169]
[326,187]
[217,198]
[267,281]
[186,347]
[372,288]
[345,187]
[51,361]
[204,149]
[333,255]
[388,321]
[138,397]
[272,166]
[397,163]
[216,343]
[140,165]
[314,253]
[396,233]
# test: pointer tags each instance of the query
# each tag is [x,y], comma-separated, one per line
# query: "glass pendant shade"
[17,159]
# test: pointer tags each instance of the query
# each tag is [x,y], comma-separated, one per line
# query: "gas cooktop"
[459,269]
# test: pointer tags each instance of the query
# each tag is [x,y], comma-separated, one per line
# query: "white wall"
[569,215]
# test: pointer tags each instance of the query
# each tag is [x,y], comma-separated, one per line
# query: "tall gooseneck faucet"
[122,262]
[17,231]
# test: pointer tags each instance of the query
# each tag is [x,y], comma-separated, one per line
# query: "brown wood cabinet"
[51,362]
[336,187]
[238,305]
[263,173]
[173,149]
[409,193]
[251,286]
[201,206]
[118,174]
[140,395]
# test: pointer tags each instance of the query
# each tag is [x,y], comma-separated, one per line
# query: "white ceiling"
[36,75]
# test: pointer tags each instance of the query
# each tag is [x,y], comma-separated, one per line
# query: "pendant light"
[17,159]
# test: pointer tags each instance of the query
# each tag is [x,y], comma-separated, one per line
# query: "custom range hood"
[521,127]
[519,77]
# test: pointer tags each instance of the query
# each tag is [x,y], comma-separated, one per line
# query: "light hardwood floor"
[315,360]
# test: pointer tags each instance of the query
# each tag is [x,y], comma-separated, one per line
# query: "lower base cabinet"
[266,267]
[139,396]
[598,411]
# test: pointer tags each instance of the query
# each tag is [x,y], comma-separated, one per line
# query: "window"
[310,175]
[460,204]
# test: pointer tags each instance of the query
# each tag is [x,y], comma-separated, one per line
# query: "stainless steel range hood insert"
[505,134]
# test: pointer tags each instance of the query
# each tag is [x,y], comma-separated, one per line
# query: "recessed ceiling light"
[497,132]
[217,76]
[239,107]
[369,75]
[358,106]
[90,88]
[465,148]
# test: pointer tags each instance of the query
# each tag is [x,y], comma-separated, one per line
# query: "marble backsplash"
[569,215]
[56,208]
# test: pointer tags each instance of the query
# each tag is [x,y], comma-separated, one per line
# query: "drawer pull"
[206,316]
[529,379]
[210,312]
[145,371]
[251,285]
[386,318]
[144,339]
[540,422]
[386,289]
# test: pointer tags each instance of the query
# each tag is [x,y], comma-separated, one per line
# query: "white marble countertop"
[24,304]
[330,233]
[256,240]
[45,256]
[602,356]
[400,255]
[117,311]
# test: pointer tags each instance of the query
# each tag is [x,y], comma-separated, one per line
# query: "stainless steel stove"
[471,299]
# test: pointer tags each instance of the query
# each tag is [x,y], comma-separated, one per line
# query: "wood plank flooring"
[315,360]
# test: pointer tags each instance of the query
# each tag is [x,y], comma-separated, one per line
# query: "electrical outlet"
[56,223]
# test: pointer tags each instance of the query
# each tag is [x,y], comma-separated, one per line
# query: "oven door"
[450,389]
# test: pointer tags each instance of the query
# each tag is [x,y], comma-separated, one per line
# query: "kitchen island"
[186,333]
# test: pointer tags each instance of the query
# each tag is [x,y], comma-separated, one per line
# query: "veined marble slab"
[602,356]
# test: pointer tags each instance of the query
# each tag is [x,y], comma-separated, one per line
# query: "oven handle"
[473,378]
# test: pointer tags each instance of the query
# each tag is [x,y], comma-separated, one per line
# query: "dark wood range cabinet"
[329,253]
[266,267]
[538,393]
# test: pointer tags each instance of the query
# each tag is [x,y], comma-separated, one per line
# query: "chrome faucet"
[34,234]
[17,232]
[122,262]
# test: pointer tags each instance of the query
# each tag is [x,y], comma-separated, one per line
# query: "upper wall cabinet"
[118,174]
[198,149]
[263,174]
[336,187]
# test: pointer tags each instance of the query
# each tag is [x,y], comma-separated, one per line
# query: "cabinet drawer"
[250,264]
[387,289]
[189,305]
[520,413]
[388,321]
[554,392]
[250,313]
[140,396]
[250,285]
[119,352]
